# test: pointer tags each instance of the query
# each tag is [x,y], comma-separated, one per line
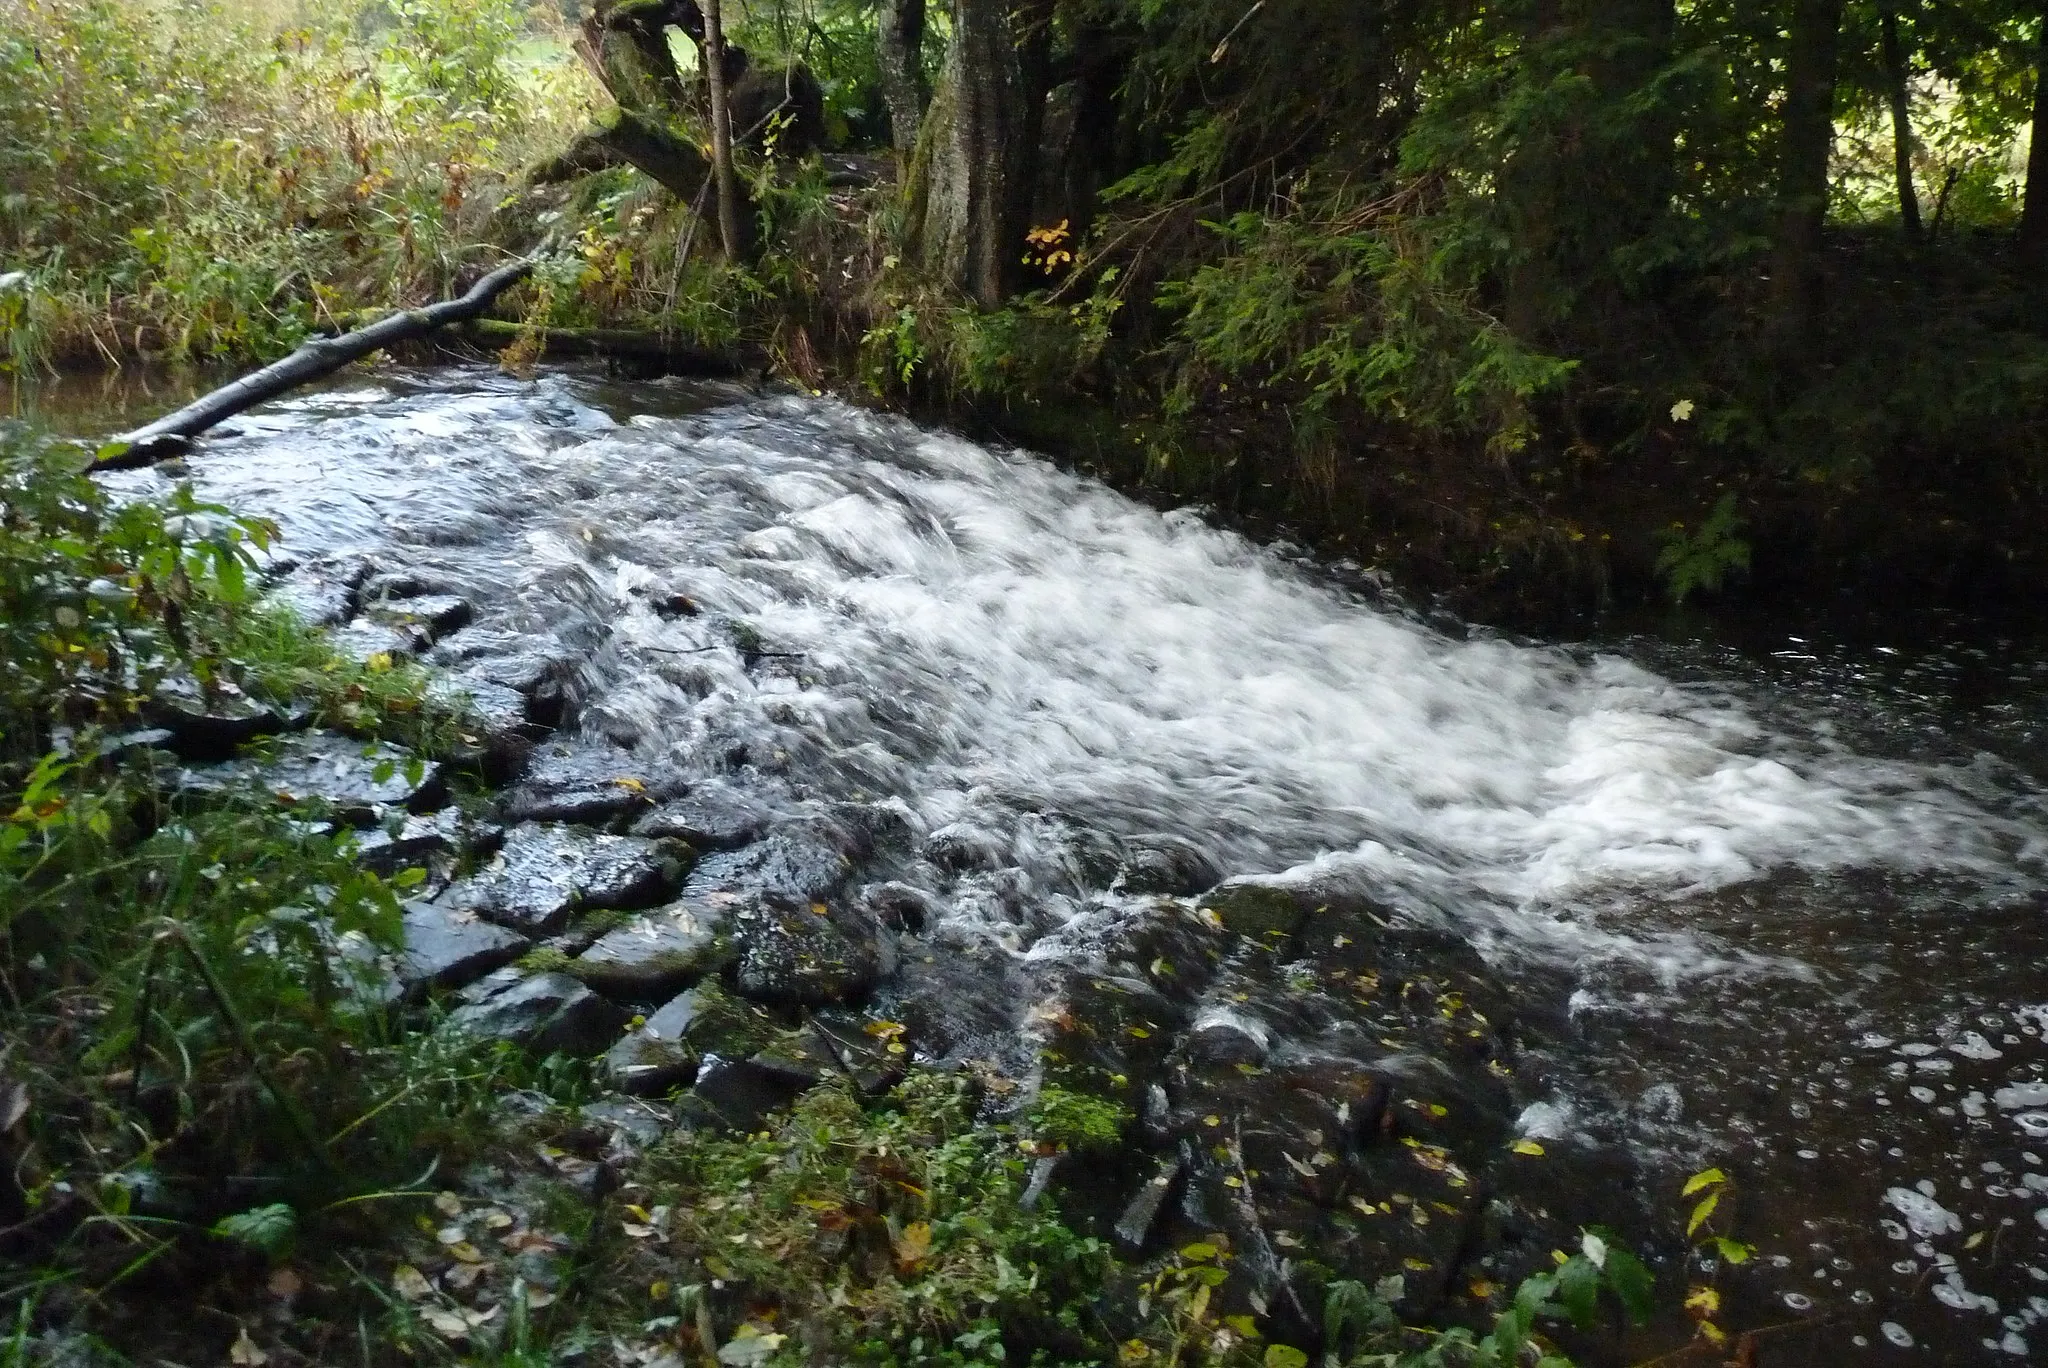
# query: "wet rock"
[426,619]
[445,948]
[1261,909]
[657,952]
[363,642]
[737,1095]
[1140,1218]
[548,1014]
[352,782]
[658,1055]
[711,817]
[591,785]
[1168,865]
[207,725]
[495,728]
[631,1126]
[540,668]
[862,1046]
[901,906]
[800,862]
[808,954]
[546,873]
[321,593]
[803,1059]
[431,842]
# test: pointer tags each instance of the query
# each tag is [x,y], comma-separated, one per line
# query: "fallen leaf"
[410,1283]
[285,1284]
[448,1204]
[914,1244]
[494,1219]
[464,1276]
[466,1252]
[13,1105]
[1529,1147]
[451,1234]
[448,1323]
[244,1352]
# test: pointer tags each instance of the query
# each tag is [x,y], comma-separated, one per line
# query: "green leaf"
[1734,1251]
[409,878]
[1701,1213]
[1711,1178]
[1578,1290]
[270,1229]
[1285,1356]
[1632,1284]
[1199,1252]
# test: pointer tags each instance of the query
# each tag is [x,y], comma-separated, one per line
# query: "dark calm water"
[1781,885]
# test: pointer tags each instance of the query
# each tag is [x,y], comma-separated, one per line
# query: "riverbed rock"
[322,774]
[430,841]
[426,619]
[320,593]
[1170,865]
[658,1055]
[445,948]
[657,952]
[711,817]
[807,954]
[540,668]
[1258,908]
[589,784]
[497,734]
[211,724]
[547,1013]
[737,1095]
[544,874]
[804,861]
[365,642]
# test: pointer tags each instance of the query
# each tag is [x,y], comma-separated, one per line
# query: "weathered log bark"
[647,143]
[171,435]
[632,344]
[970,180]
[721,132]
[899,50]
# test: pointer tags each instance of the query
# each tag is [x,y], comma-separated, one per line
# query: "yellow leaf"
[1703,1301]
[466,1252]
[410,1283]
[378,663]
[630,785]
[1529,1147]
[1713,1333]
[914,1245]
[1133,1351]
[1702,1212]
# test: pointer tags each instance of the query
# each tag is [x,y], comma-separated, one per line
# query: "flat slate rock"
[320,593]
[544,874]
[800,862]
[446,948]
[548,1014]
[348,780]
[658,1056]
[657,952]
[589,784]
[362,641]
[735,1094]
[710,817]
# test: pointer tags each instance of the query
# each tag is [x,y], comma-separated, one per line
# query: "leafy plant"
[1702,559]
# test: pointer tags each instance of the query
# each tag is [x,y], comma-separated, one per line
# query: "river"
[1772,905]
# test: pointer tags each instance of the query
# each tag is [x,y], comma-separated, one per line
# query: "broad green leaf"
[1710,1178]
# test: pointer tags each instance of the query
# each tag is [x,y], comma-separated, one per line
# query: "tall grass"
[185,178]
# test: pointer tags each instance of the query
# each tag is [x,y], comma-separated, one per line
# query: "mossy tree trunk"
[721,131]
[970,181]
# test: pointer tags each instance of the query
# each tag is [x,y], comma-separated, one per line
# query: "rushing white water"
[1020,654]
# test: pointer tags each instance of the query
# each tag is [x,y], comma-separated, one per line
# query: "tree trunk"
[1898,91]
[970,180]
[1808,141]
[2034,216]
[900,54]
[721,131]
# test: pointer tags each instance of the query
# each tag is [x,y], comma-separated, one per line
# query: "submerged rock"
[544,874]
[548,1014]
[426,619]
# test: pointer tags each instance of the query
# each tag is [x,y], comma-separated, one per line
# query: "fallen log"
[631,344]
[172,435]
